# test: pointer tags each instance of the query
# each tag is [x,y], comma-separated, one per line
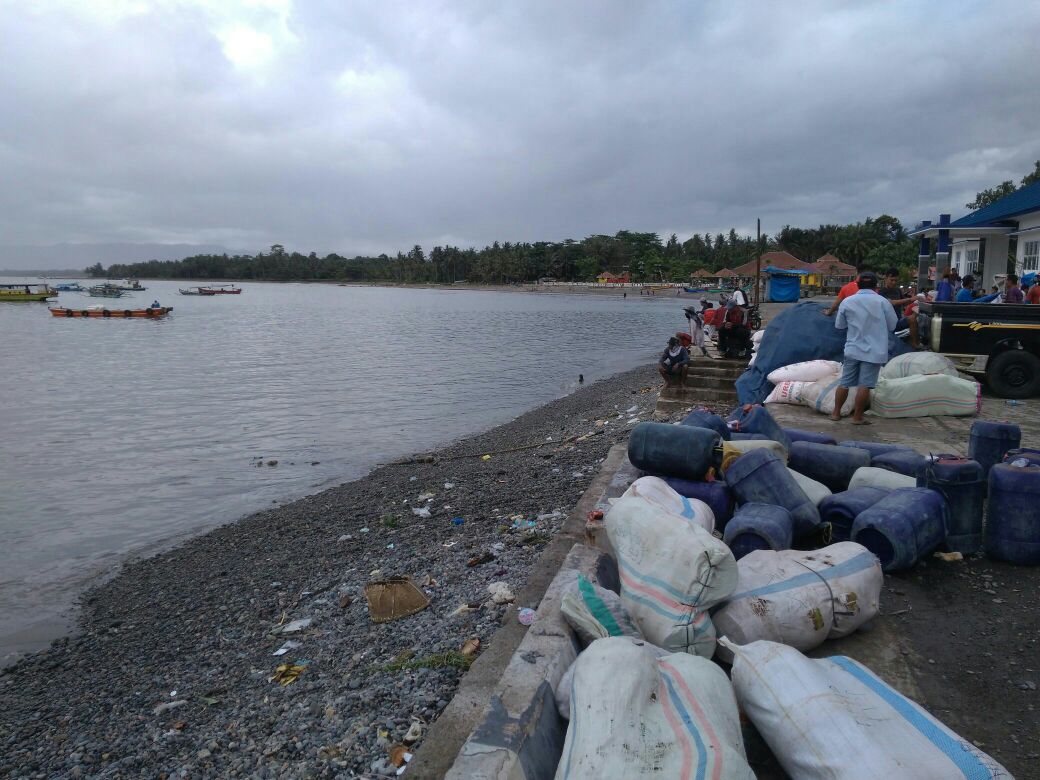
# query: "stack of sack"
[756,339]
[917,384]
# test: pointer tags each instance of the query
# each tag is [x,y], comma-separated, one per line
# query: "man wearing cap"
[868,319]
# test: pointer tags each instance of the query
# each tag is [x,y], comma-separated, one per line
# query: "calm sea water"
[118,435]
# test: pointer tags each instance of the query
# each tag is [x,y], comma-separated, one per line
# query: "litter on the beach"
[394,598]
[296,625]
[469,647]
[501,593]
[290,645]
[526,616]
[422,511]
[288,673]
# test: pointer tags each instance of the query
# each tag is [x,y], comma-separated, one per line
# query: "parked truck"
[1000,341]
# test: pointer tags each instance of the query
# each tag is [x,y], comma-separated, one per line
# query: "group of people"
[730,322]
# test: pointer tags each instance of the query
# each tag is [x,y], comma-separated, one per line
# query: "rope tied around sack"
[834,600]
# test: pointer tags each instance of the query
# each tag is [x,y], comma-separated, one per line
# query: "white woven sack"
[562,694]
[660,494]
[808,371]
[634,715]
[820,396]
[756,337]
[833,718]
[815,491]
[915,363]
[671,571]
[787,393]
[872,476]
[926,395]
[594,612]
[801,598]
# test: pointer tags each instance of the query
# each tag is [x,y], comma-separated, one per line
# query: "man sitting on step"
[674,363]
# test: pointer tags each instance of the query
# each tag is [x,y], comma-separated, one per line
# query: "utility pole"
[758,261]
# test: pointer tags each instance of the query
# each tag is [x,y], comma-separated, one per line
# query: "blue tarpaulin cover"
[784,288]
[800,333]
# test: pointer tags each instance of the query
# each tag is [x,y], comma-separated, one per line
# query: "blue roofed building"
[979,243]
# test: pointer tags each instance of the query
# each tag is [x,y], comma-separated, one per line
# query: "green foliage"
[1032,178]
[993,194]
[96,270]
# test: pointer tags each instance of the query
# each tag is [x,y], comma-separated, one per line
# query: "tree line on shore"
[881,242]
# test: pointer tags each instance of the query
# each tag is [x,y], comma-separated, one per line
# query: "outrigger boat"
[106,290]
[194,291]
[26,292]
[70,287]
[100,311]
[132,285]
[220,289]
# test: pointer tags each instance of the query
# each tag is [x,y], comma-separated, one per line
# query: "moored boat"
[220,289]
[132,285]
[193,291]
[105,290]
[69,287]
[100,311]
[26,292]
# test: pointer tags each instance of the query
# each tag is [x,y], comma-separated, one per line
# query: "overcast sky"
[361,127]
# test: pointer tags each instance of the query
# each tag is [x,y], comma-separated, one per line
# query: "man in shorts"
[868,319]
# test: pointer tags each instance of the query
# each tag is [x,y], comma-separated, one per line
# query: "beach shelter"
[783,285]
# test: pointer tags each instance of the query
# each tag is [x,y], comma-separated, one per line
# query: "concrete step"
[708,382]
[692,396]
[712,371]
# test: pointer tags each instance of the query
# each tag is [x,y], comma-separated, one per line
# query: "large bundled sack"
[787,393]
[634,715]
[917,363]
[801,598]
[797,334]
[594,612]
[671,571]
[806,371]
[820,396]
[833,718]
[660,494]
[926,395]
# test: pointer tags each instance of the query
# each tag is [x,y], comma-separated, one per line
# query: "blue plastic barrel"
[841,509]
[705,418]
[961,483]
[1013,523]
[716,494]
[797,434]
[672,450]
[827,463]
[737,436]
[759,527]
[907,462]
[873,447]
[761,477]
[989,441]
[1023,453]
[903,527]
[755,418]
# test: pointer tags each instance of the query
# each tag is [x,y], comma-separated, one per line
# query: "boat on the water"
[220,289]
[191,291]
[132,285]
[69,287]
[106,290]
[26,292]
[100,311]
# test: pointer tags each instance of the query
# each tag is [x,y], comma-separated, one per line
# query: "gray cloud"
[362,127]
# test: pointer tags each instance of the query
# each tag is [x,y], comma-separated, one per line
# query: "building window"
[957,261]
[971,261]
[1031,256]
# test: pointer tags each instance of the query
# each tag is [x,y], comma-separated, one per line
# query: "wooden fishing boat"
[70,287]
[105,290]
[26,292]
[101,311]
[220,289]
[132,285]
[194,291]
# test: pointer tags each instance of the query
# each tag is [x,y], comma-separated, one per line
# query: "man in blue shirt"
[868,319]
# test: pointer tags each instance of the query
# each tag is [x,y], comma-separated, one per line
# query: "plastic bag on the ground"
[816,491]
[787,393]
[659,493]
[915,363]
[594,612]
[926,395]
[834,718]
[806,371]
[820,396]
[801,598]
[634,715]
[671,571]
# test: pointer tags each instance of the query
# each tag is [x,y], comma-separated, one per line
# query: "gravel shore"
[170,674]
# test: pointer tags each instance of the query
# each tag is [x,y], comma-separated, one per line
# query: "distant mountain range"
[53,258]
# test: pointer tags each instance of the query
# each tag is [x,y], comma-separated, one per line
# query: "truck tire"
[1014,374]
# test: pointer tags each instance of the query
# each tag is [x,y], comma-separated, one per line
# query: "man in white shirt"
[868,318]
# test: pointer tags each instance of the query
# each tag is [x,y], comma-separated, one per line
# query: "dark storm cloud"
[357,127]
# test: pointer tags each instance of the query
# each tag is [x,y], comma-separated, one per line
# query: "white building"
[979,243]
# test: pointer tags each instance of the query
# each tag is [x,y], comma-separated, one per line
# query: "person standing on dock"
[868,319]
